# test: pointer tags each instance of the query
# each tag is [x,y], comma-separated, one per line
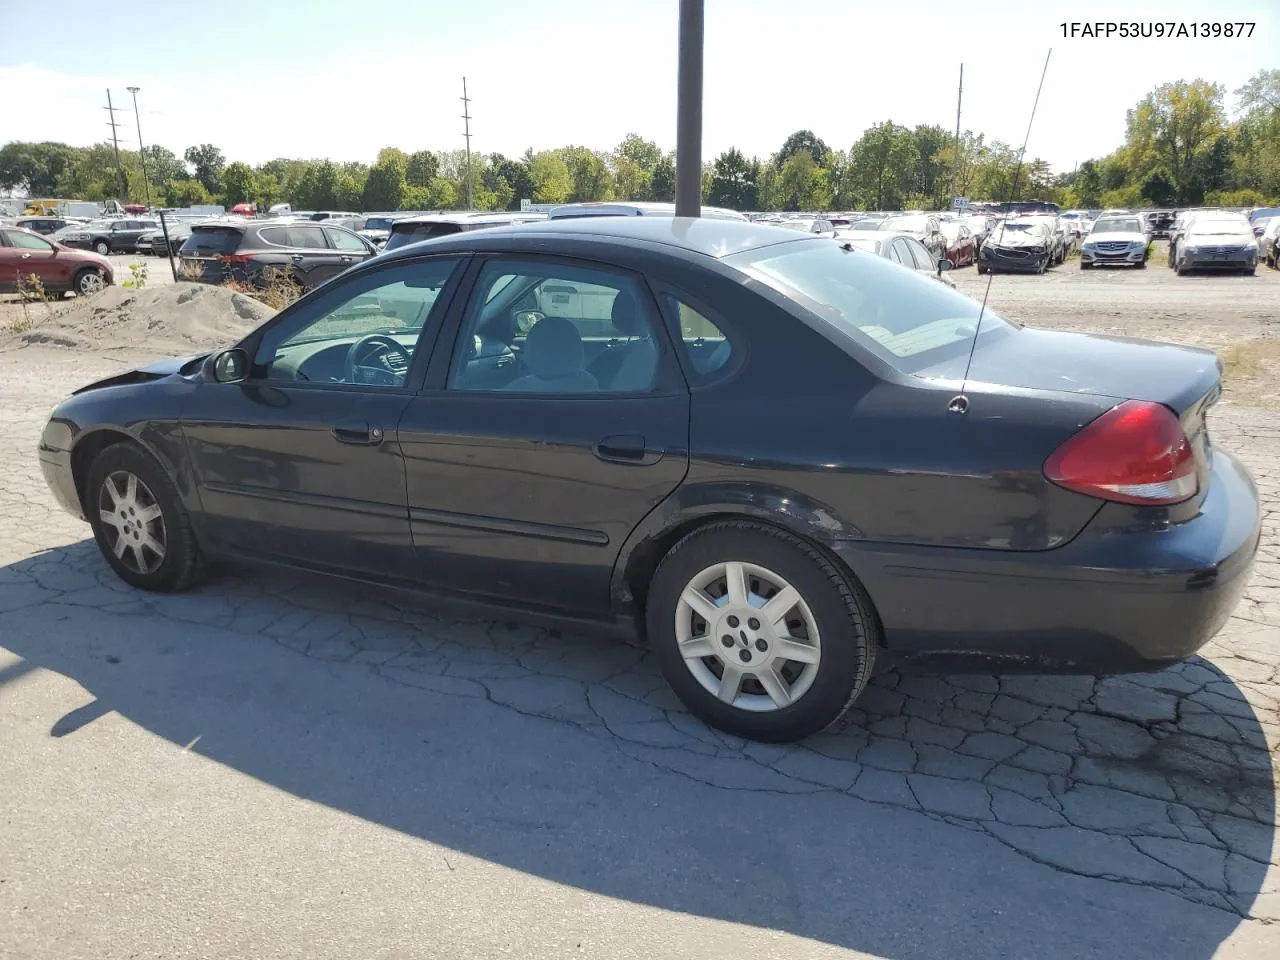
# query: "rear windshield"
[378,223]
[906,224]
[210,241]
[406,233]
[1117,226]
[911,321]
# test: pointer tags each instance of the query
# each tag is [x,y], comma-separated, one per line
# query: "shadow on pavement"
[947,816]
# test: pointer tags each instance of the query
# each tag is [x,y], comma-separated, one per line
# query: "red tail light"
[239,259]
[1136,452]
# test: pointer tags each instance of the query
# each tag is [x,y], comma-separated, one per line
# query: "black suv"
[304,252]
[119,236]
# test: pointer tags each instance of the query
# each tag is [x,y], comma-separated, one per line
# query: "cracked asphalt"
[289,766]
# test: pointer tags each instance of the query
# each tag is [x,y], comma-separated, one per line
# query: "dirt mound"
[173,319]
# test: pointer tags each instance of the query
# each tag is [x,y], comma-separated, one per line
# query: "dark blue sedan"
[776,456]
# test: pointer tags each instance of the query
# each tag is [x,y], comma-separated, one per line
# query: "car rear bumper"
[1105,602]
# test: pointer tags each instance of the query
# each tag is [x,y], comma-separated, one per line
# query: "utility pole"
[122,186]
[955,152]
[142,156]
[689,112]
[466,119]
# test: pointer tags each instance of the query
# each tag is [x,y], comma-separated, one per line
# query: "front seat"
[630,367]
[556,362]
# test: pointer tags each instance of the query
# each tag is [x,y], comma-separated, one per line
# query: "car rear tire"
[797,634]
[87,281]
[139,521]
[102,248]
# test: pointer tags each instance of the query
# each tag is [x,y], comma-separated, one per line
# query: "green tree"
[163,165]
[881,166]
[805,140]
[510,179]
[550,177]
[385,187]
[1174,127]
[239,184]
[662,184]
[186,193]
[735,181]
[931,180]
[588,173]
[208,162]
[34,167]
[1088,185]
[422,168]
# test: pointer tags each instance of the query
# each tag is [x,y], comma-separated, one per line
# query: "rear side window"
[704,343]
[307,237]
[403,234]
[211,241]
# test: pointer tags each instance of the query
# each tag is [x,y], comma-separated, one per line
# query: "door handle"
[25,256]
[296,258]
[357,433]
[629,449]
[346,259]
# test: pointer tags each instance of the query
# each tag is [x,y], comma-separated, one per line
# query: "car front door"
[301,460]
[29,256]
[350,248]
[526,470]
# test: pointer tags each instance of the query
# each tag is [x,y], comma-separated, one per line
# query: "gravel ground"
[288,766]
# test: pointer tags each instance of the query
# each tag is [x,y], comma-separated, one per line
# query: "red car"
[23,253]
[962,246]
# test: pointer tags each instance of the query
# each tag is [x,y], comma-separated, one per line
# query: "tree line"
[1181,148]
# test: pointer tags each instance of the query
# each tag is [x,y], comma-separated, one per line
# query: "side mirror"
[945,264]
[231,366]
[525,319]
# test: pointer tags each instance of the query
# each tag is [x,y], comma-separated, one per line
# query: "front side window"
[361,332]
[923,259]
[905,319]
[556,329]
[26,241]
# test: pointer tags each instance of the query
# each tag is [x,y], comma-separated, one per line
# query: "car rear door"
[314,260]
[525,472]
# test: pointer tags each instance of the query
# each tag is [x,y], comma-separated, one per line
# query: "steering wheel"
[380,347]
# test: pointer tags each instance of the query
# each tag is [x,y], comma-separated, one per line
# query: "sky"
[344,78]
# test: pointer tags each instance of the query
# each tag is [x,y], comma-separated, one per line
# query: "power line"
[466,119]
[142,154]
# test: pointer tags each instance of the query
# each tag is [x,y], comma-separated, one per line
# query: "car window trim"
[669,381]
[422,350]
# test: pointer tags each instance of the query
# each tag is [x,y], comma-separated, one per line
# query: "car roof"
[708,236]
[650,208]
[474,216]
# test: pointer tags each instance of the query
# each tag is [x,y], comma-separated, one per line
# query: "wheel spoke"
[785,648]
[112,491]
[131,489]
[109,517]
[139,561]
[120,545]
[735,579]
[147,514]
[774,686]
[695,648]
[730,681]
[779,604]
[702,604]
[154,545]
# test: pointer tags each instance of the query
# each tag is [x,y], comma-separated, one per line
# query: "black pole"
[689,112]
[168,247]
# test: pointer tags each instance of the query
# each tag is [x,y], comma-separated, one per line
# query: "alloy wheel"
[132,522]
[90,282]
[748,636]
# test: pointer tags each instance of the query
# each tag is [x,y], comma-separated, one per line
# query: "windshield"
[1022,229]
[906,224]
[1221,229]
[405,234]
[1117,226]
[378,223]
[865,225]
[910,321]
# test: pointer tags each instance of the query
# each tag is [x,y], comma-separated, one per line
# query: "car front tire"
[139,522]
[88,281]
[758,632]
